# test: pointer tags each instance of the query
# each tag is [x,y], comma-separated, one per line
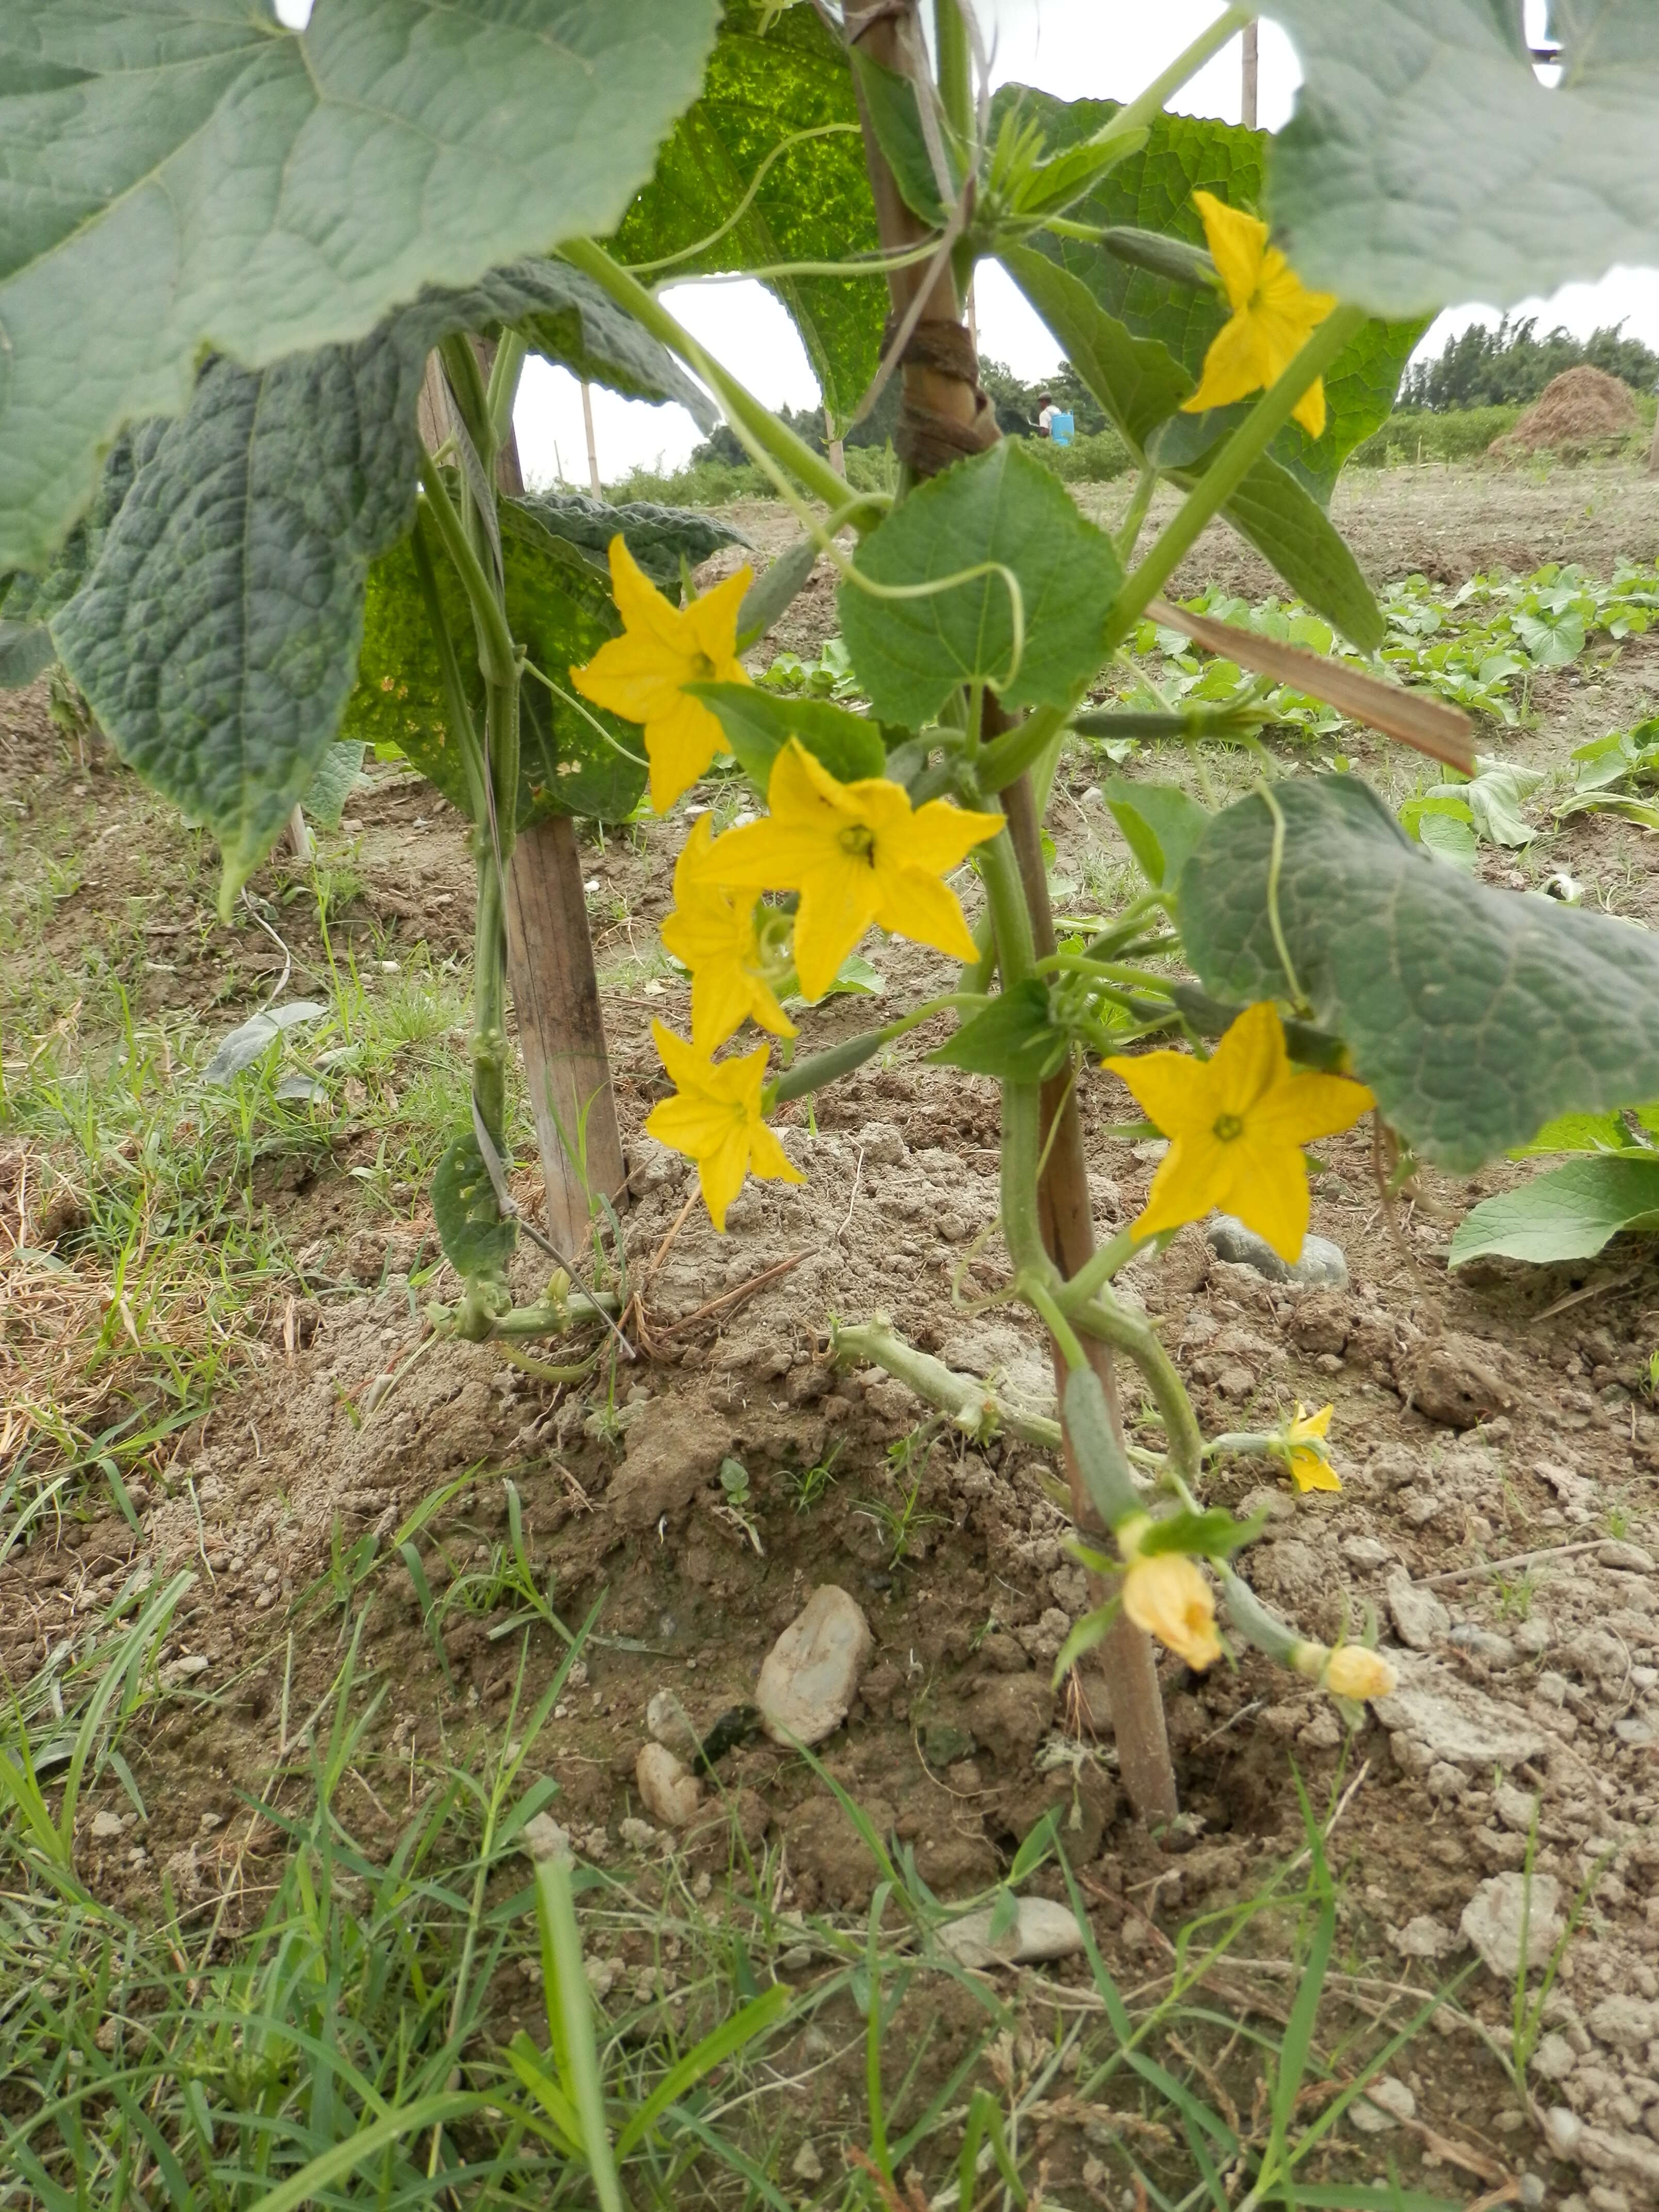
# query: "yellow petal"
[1307,1425]
[690,1122]
[1175,1090]
[939,837]
[1311,1470]
[687,1067]
[1168,1598]
[632,677]
[1249,1061]
[1191,1182]
[1237,244]
[721,1175]
[1310,410]
[711,622]
[838,901]
[1266,1187]
[1235,365]
[1309,1105]
[1354,1672]
[768,1159]
[641,604]
[920,907]
[679,744]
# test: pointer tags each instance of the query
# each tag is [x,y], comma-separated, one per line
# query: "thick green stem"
[1231,465]
[1113,1326]
[747,414]
[1151,102]
[490,996]
[458,712]
[1129,534]
[1101,1269]
[972,1405]
[1006,758]
[954,65]
[504,373]
[470,396]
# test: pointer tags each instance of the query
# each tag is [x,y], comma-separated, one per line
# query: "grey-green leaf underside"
[1425,163]
[216,634]
[183,176]
[1475,1015]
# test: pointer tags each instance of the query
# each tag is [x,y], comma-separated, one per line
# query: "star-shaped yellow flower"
[1273,313]
[712,930]
[858,854]
[1236,1124]
[640,674]
[715,1120]
[1304,1439]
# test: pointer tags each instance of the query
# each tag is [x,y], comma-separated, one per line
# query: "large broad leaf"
[1567,1214]
[573,758]
[1153,189]
[1160,825]
[25,649]
[1015,1038]
[658,537]
[1138,381]
[36,597]
[183,176]
[1475,1015]
[216,637]
[1425,163]
[763,86]
[1003,506]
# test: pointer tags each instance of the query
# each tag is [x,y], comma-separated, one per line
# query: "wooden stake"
[1252,68]
[593,450]
[550,963]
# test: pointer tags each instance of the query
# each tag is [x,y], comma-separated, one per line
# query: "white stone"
[1516,1808]
[1456,1722]
[671,1795]
[1563,2131]
[1492,1922]
[1423,1938]
[1041,1929]
[812,1672]
[1417,1614]
[669,1725]
[808,2165]
[1383,2105]
[1554,2057]
[541,1837]
[1626,2022]
[106,1828]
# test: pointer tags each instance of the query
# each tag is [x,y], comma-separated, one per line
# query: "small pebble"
[1321,1261]
[672,1794]
[1383,2105]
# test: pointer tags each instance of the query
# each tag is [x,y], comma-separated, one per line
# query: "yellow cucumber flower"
[1273,313]
[1167,1595]
[1236,1124]
[1354,1671]
[858,854]
[1304,1439]
[715,933]
[715,1120]
[639,675]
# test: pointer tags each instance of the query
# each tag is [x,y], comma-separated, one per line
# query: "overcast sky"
[1077,48]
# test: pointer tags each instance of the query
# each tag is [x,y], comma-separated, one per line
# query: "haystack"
[1577,408]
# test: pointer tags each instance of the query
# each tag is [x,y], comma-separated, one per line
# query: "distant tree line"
[1512,364]
[1016,403]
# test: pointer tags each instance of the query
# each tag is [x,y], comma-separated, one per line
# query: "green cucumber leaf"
[476,1239]
[1003,505]
[890,101]
[1476,1015]
[1211,1535]
[1015,1039]
[333,783]
[1289,529]
[1425,163]
[188,176]
[574,757]
[766,82]
[1569,1214]
[658,537]
[26,648]
[216,636]
[1138,381]
[1160,825]
[758,726]
[1580,1133]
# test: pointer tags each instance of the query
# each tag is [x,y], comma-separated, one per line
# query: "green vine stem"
[972,1405]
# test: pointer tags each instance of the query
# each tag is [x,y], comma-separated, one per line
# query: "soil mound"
[1576,408]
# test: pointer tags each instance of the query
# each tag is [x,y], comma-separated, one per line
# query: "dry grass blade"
[1428,725]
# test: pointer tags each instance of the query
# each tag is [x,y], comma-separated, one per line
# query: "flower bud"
[1167,1596]
[1354,1671]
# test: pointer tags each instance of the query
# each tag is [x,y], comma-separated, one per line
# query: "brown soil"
[1574,408]
[1497,1413]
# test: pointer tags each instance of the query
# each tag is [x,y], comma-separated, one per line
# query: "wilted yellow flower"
[713,931]
[715,1120]
[857,852]
[1273,313]
[640,674]
[1355,1671]
[1236,1124]
[1305,1436]
[1167,1596]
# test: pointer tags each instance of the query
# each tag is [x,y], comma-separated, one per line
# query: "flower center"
[1227,1126]
[858,841]
[703,668]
